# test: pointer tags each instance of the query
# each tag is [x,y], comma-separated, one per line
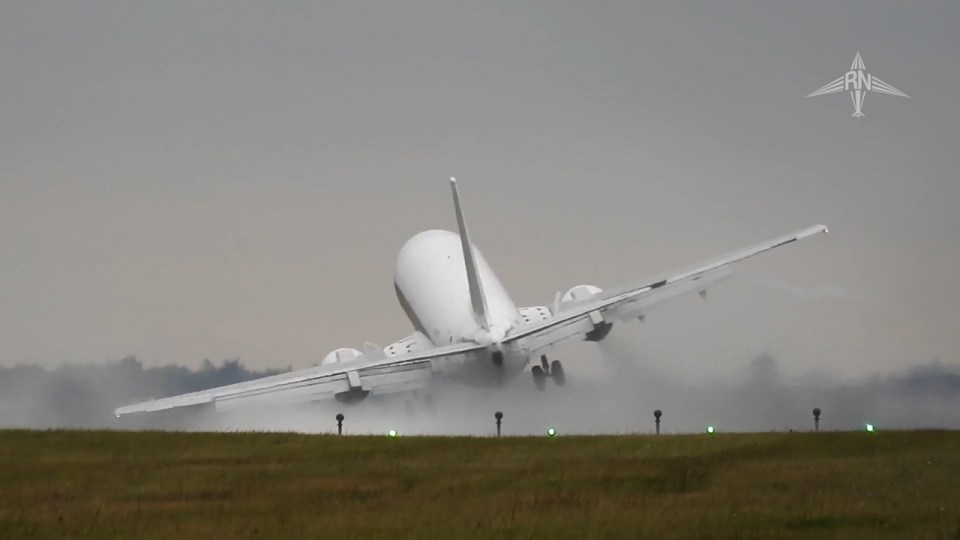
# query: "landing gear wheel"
[539,378]
[556,371]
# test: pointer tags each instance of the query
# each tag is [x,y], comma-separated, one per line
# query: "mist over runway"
[616,393]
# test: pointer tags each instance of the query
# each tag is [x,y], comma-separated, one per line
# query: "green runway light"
[870,428]
[551,432]
[710,430]
[392,433]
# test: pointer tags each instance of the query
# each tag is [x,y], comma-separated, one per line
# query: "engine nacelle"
[585,292]
[344,355]
[340,356]
[580,292]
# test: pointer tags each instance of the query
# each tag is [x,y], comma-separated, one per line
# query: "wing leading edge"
[576,319]
[312,384]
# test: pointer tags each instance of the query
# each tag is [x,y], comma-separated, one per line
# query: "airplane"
[466,328]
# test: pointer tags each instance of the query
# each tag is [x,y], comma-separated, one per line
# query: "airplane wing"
[355,377]
[410,364]
[591,317]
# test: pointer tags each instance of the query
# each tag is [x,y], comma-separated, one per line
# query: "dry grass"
[217,485]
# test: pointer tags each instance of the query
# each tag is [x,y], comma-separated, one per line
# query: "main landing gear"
[553,370]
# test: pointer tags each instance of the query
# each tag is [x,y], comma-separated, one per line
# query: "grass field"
[60,484]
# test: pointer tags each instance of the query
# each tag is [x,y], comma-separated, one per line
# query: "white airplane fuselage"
[433,290]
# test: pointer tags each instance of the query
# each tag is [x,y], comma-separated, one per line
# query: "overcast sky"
[190,180]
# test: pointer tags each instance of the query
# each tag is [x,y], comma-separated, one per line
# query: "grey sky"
[190,180]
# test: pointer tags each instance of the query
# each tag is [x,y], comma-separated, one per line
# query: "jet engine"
[580,292]
[356,393]
[340,356]
[585,292]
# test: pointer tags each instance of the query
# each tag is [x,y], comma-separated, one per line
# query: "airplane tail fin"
[477,298]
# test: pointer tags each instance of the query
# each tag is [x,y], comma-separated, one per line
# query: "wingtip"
[812,230]
[453,180]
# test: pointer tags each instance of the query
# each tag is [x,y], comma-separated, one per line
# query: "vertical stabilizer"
[477,298]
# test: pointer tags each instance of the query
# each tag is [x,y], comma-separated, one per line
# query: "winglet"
[477,298]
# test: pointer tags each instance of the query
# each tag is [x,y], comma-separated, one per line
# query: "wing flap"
[577,318]
[637,306]
[313,384]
